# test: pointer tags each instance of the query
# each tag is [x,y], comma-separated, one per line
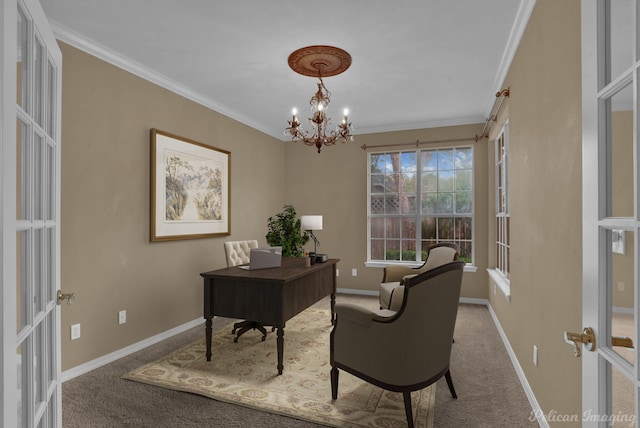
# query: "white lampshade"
[311,222]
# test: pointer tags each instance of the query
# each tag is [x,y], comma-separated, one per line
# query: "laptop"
[264,258]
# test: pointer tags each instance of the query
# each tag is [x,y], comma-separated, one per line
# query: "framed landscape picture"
[189,189]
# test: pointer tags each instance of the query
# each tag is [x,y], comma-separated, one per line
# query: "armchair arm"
[354,313]
[395,273]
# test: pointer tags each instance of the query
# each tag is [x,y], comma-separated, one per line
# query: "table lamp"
[311,223]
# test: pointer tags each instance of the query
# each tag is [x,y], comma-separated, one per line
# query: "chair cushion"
[386,290]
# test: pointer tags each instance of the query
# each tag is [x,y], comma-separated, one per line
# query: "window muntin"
[419,198]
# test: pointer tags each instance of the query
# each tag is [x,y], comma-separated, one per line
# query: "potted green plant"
[283,230]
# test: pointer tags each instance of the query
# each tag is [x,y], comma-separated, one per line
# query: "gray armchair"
[238,253]
[401,351]
[392,289]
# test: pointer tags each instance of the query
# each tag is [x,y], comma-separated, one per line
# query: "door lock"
[587,338]
[68,297]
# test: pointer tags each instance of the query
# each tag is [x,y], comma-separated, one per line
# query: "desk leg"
[280,344]
[208,338]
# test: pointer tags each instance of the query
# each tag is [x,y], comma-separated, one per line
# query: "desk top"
[291,268]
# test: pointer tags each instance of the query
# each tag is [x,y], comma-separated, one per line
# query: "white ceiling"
[416,63]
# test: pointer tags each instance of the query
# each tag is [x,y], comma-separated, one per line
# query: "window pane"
[445,181]
[463,180]
[429,160]
[464,202]
[445,203]
[377,227]
[620,146]
[463,228]
[445,228]
[407,203]
[429,228]
[409,229]
[377,183]
[429,182]
[393,249]
[377,204]
[464,158]
[409,250]
[22,59]
[621,36]
[377,163]
[408,182]
[392,204]
[393,228]
[429,203]
[377,249]
[445,159]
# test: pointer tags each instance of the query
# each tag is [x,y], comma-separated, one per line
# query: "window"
[502,202]
[417,199]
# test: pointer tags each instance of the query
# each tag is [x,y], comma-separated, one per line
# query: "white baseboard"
[535,407]
[109,358]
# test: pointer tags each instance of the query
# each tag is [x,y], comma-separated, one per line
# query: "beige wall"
[334,184]
[107,259]
[544,113]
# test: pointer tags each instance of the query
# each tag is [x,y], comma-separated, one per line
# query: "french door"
[30,190]
[611,214]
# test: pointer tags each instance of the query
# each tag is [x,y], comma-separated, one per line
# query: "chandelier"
[320,61]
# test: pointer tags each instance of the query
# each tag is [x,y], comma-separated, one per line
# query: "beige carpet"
[245,373]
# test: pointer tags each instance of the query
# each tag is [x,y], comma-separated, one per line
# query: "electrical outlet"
[337,272]
[494,289]
[535,355]
[621,286]
[354,272]
[122,317]
[75,331]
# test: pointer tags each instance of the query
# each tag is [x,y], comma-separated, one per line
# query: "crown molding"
[93,48]
[519,25]
[409,126]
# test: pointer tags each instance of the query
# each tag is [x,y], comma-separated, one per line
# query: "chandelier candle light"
[320,61]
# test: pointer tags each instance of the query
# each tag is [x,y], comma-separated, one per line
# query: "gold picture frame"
[190,189]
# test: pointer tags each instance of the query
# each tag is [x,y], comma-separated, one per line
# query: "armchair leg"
[334,383]
[407,408]
[447,376]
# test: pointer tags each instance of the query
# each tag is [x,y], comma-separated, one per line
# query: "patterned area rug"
[245,373]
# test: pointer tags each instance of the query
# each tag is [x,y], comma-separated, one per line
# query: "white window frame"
[501,272]
[418,215]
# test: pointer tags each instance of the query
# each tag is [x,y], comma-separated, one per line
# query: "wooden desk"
[269,296]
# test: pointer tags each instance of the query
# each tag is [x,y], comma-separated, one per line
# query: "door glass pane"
[22,278]
[38,366]
[620,41]
[38,82]
[49,268]
[620,154]
[51,97]
[22,170]
[38,289]
[50,182]
[38,176]
[22,58]
[621,291]
[22,396]
[621,410]
[51,360]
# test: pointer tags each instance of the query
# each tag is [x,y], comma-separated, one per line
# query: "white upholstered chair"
[238,253]
[401,351]
[391,288]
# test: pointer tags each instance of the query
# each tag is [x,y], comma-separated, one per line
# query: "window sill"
[501,282]
[467,268]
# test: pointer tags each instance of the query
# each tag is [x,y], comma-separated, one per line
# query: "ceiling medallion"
[319,61]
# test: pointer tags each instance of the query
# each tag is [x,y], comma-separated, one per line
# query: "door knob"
[68,297]
[587,338]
